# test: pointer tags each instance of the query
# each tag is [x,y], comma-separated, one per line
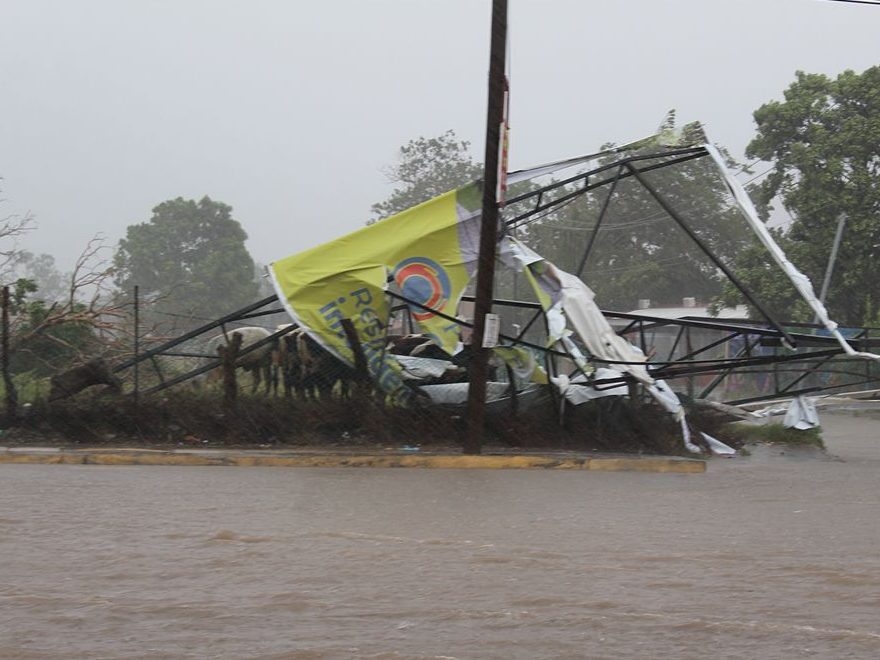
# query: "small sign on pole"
[503,148]
[490,331]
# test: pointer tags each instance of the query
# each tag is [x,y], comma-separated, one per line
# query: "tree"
[190,256]
[823,141]
[81,320]
[55,320]
[428,167]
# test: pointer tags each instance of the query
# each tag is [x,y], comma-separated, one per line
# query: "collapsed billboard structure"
[426,257]
[659,219]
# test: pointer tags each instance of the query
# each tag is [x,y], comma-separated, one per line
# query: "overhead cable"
[858,2]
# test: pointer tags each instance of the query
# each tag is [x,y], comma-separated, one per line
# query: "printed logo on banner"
[424,281]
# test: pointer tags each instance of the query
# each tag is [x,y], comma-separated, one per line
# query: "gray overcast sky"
[289,110]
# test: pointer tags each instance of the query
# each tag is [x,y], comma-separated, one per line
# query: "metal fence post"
[11,394]
[137,346]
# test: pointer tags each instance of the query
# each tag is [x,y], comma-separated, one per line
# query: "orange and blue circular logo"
[424,281]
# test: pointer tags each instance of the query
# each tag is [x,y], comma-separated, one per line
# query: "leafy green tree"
[823,141]
[55,320]
[427,167]
[191,257]
[55,330]
[44,349]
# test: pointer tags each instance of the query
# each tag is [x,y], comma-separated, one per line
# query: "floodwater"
[764,557]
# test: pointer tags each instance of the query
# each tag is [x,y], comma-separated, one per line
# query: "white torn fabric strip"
[595,331]
[798,279]
[574,302]
[577,390]
[457,393]
[686,437]
[801,414]
[717,447]
[667,398]
[771,411]
[416,367]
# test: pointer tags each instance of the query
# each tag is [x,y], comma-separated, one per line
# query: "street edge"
[657,464]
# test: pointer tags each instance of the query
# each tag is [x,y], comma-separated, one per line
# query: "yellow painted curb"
[659,464]
[652,464]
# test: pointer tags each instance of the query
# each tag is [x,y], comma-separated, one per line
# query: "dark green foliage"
[776,434]
[823,140]
[45,339]
[766,280]
[198,418]
[44,347]
[191,256]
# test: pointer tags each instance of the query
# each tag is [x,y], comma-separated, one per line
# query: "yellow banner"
[427,253]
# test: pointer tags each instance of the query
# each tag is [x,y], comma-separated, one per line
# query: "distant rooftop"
[690,308]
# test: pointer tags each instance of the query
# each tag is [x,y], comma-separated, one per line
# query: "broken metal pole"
[829,269]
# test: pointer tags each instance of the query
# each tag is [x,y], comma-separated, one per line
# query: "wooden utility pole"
[229,356]
[476,406]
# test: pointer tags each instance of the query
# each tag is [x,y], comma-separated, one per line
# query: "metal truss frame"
[747,336]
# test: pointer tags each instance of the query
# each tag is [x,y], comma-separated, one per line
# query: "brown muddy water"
[773,556]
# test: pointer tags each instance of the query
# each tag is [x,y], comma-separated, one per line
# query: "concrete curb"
[48,456]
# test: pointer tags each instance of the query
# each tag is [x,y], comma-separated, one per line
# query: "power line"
[858,2]
[765,172]
[745,168]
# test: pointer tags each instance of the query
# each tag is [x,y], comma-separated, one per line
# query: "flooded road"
[763,557]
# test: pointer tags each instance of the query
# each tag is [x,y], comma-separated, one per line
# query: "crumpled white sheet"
[801,414]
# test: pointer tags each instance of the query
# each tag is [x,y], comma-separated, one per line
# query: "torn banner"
[429,252]
[566,299]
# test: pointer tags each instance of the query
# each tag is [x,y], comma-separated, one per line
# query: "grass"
[29,387]
[776,434]
[184,416]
